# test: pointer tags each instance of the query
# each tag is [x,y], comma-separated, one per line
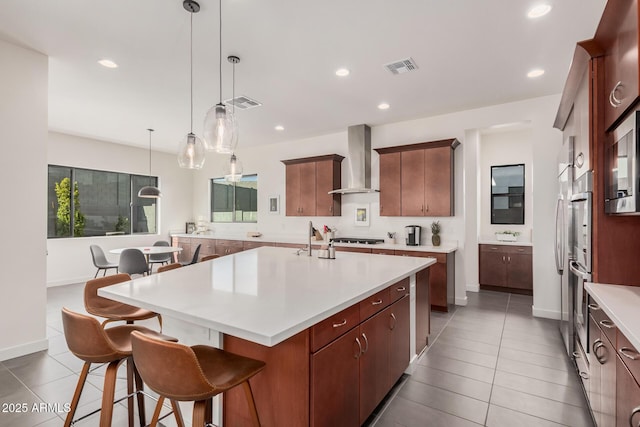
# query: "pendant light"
[149,192]
[235,166]
[220,126]
[191,148]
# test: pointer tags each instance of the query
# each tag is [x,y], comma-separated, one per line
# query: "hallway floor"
[490,363]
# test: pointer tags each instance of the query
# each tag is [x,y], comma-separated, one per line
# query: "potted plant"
[507,236]
[435,230]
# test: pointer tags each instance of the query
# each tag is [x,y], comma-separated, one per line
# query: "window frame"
[233,220]
[509,194]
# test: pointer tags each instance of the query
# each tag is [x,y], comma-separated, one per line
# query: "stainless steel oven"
[580,254]
[623,168]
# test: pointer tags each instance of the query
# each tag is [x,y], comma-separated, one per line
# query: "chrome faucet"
[310,236]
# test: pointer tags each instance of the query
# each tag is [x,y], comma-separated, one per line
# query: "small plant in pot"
[435,230]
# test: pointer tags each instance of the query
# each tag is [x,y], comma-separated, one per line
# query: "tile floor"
[490,364]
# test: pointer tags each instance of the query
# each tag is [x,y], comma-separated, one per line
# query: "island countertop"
[265,295]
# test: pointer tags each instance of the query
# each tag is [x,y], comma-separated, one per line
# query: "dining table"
[147,251]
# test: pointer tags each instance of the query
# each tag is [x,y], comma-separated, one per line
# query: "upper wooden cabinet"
[417,179]
[308,182]
[617,36]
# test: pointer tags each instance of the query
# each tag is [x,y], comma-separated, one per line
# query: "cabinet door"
[581,126]
[607,384]
[293,189]
[628,397]
[493,270]
[399,339]
[519,270]
[412,183]
[596,348]
[185,255]
[621,58]
[423,309]
[307,196]
[327,179]
[390,202]
[437,181]
[374,363]
[334,382]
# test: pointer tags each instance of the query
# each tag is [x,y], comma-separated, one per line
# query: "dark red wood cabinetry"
[390,201]
[506,266]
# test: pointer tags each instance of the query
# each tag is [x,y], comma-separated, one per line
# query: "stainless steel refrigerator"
[563,240]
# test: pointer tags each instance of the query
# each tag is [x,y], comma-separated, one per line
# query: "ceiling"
[470,54]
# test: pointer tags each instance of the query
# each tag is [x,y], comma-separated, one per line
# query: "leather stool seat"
[91,342]
[182,373]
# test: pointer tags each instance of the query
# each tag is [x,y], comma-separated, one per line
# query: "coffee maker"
[412,235]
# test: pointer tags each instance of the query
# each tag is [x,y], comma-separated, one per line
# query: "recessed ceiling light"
[342,72]
[108,63]
[279,128]
[383,106]
[538,11]
[535,73]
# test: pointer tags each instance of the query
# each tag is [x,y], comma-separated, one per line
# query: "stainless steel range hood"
[358,161]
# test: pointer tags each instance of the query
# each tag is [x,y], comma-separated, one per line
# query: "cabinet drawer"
[383,251]
[374,304]
[353,249]
[603,321]
[333,327]
[398,290]
[440,257]
[251,245]
[629,355]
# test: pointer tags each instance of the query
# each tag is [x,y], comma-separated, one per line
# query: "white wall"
[23,172]
[505,147]
[69,260]
[463,227]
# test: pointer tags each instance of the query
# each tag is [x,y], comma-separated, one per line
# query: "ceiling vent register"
[243,102]
[402,66]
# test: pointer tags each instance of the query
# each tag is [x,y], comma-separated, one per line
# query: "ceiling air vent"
[401,66]
[243,102]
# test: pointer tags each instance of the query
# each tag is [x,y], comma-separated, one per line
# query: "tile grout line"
[495,369]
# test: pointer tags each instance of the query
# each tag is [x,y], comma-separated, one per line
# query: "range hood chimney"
[358,161]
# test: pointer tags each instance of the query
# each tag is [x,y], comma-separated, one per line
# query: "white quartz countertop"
[621,304]
[443,248]
[265,295]
[501,242]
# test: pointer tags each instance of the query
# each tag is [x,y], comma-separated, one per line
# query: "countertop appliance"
[360,240]
[412,235]
[623,164]
[565,181]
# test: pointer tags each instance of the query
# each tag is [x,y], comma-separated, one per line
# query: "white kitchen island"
[265,303]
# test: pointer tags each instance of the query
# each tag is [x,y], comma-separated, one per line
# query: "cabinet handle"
[613,100]
[503,258]
[575,355]
[330,208]
[607,324]
[359,353]
[628,353]
[594,307]
[635,411]
[597,345]
[422,208]
[376,302]
[401,289]
[366,341]
[584,375]
[509,259]
[395,321]
[337,325]
[427,208]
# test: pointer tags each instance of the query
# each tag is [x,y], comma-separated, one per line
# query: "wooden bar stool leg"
[77,393]
[156,412]
[130,390]
[251,403]
[139,388]
[108,393]
[208,413]
[175,405]
[199,409]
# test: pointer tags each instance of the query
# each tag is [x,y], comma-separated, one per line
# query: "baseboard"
[547,314]
[68,281]
[461,300]
[473,288]
[23,349]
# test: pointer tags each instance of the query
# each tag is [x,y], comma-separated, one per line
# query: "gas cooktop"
[358,240]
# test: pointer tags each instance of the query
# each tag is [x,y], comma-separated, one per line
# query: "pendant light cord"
[220,51]
[150,130]
[191,68]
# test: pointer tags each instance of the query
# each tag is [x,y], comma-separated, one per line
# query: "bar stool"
[112,310]
[92,343]
[181,373]
[168,267]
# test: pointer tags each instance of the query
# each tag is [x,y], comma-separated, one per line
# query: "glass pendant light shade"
[191,152]
[235,170]
[149,191]
[220,130]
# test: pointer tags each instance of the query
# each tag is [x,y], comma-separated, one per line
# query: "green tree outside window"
[63,223]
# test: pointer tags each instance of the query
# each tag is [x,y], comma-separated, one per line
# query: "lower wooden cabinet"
[441,277]
[506,266]
[602,376]
[184,243]
[628,396]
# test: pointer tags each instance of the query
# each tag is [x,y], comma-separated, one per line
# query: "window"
[98,203]
[507,194]
[234,201]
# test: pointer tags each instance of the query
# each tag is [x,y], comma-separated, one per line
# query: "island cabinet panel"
[390,201]
[308,182]
[506,267]
[185,244]
[399,340]
[374,363]
[441,277]
[422,175]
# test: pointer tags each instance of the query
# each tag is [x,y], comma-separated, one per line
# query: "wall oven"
[580,254]
[623,176]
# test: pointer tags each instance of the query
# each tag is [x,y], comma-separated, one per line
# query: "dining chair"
[133,261]
[194,260]
[160,258]
[100,260]
[209,257]
[168,267]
